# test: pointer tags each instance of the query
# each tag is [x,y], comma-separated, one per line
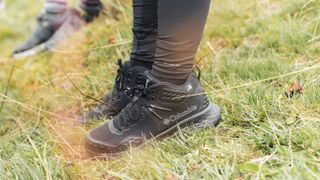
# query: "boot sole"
[209,117]
[30,52]
[43,47]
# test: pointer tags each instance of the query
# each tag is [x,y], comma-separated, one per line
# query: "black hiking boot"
[49,32]
[157,111]
[112,104]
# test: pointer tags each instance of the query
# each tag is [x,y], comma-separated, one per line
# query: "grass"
[251,53]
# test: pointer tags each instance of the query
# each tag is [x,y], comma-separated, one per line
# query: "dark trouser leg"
[54,8]
[181,24]
[145,30]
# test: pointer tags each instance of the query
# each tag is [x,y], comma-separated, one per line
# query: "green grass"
[250,54]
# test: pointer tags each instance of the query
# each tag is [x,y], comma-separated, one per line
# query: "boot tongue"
[153,80]
[134,69]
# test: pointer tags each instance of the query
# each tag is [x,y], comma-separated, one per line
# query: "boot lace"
[120,78]
[132,113]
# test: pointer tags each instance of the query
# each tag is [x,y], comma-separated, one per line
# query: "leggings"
[59,6]
[166,34]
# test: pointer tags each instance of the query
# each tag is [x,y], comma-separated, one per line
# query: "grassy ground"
[251,53]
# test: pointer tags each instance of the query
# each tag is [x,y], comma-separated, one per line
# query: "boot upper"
[158,107]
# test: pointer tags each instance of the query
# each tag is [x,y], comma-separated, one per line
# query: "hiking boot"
[158,111]
[49,32]
[127,78]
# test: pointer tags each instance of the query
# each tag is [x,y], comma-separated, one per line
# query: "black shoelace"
[120,76]
[131,114]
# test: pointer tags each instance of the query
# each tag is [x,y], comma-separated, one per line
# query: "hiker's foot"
[49,32]
[92,9]
[127,78]
[157,112]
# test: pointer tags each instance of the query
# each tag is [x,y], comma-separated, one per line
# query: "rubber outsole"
[30,52]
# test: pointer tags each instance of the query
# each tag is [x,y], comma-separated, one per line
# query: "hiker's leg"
[145,30]
[53,11]
[181,24]
[55,15]
[54,8]
[158,107]
[142,57]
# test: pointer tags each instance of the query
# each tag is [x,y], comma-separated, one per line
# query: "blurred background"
[252,56]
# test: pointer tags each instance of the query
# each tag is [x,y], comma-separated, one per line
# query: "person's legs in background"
[145,27]
[172,95]
[54,8]
[48,22]
[55,15]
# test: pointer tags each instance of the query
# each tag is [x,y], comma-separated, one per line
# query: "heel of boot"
[209,119]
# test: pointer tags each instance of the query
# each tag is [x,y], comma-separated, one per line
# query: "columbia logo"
[176,117]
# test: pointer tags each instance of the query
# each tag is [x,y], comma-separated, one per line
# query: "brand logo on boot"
[176,117]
